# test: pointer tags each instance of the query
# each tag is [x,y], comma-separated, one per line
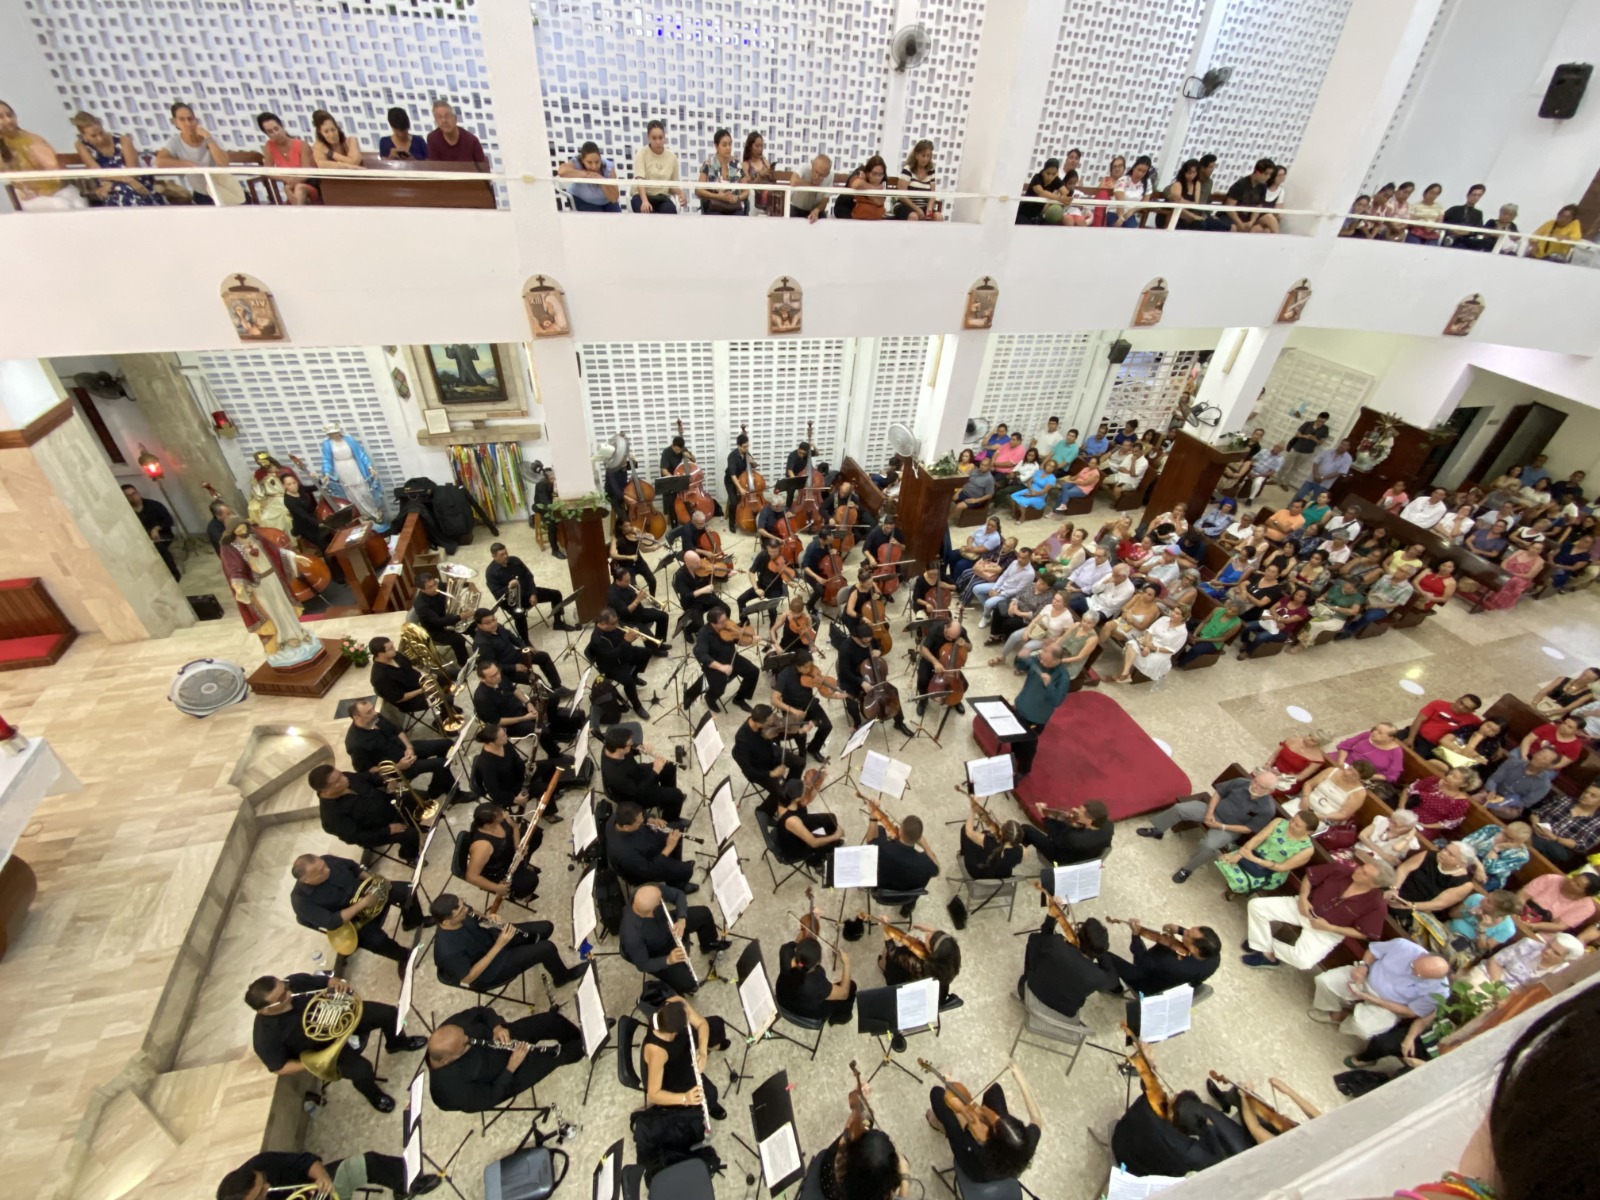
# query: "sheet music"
[580,749]
[578,694]
[724,813]
[393,568]
[999,717]
[402,1006]
[857,739]
[730,887]
[1078,881]
[583,918]
[916,1005]
[422,858]
[1166,1014]
[417,1089]
[855,866]
[413,1154]
[584,827]
[883,774]
[756,999]
[780,1155]
[707,746]
[1137,1187]
[591,1012]
[605,1182]
[990,776]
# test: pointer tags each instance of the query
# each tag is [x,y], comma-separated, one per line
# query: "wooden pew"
[398,588]
[1520,719]
[397,183]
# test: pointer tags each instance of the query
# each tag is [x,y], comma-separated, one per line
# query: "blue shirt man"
[1097,445]
[1326,467]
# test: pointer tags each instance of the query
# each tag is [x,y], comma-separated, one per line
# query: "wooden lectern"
[1191,475]
[361,555]
[588,559]
[923,511]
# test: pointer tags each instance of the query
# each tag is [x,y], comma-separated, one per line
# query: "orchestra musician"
[991,1145]
[937,956]
[643,851]
[676,1031]
[1063,976]
[759,753]
[842,493]
[433,614]
[476,1061]
[372,739]
[1190,1136]
[952,632]
[394,679]
[986,856]
[767,519]
[862,1162]
[497,644]
[616,653]
[799,461]
[491,848]
[854,654]
[283,1170]
[646,935]
[716,649]
[500,773]
[496,702]
[888,530]
[696,590]
[616,484]
[736,469]
[1155,968]
[359,812]
[793,629]
[765,572]
[471,950]
[634,609]
[803,987]
[627,546]
[922,587]
[687,535]
[801,835]
[905,863]
[1072,835]
[279,1038]
[674,454]
[863,590]
[814,569]
[323,898]
[793,695]
[502,569]
[626,778]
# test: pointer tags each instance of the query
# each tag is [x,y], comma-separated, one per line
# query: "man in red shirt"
[451,143]
[1438,719]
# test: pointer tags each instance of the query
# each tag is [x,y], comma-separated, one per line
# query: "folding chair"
[686,1180]
[1039,1019]
[896,900]
[628,1075]
[998,889]
[772,854]
[816,1025]
[969,1189]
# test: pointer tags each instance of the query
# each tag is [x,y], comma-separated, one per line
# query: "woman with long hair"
[21,150]
[330,145]
[919,178]
[720,168]
[1185,188]
[98,146]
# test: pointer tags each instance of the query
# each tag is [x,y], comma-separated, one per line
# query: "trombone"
[444,708]
[419,813]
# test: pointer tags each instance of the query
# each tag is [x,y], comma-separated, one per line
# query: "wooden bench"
[977,514]
[34,632]
[397,589]
[1078,506]
[402,183]
[1519,718]
[1204,606]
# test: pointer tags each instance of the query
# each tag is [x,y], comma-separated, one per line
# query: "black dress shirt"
[711,647]
[280,1038]
[153,514]
[1061,975]
[636,854]
[479,1079]
[1155,969]
[501,647]
[361,816]
[494,704]
[804,993]
[646,941]
[497,576]
[282,1168]
[317,906]
[431,612]
[457,951]
[610,650]
[756,756]
[498,777]
[394,681]
[902,868]
[852,657]
[369,747]
[628,778]
[1070,844]
[1146,1144]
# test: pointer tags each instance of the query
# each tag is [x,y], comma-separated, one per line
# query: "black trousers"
[535,949]
[371,936]
[165,550]
[817,714]
[548,1026]
[750,595]
[652,621]
[457,644]
[664,794]
[1022,752]
[745,671]
[353,1065]
[699,924]
[407,843]
[430,762]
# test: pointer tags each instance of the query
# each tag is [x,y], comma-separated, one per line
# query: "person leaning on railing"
[21,150]
[869,176]
[1249,191]
[193,145]
[654,163]
[1565,226]
[284,152]
[919,178]
[588,164]
[331,147]
[100,148]
[1429,210]
[807,202]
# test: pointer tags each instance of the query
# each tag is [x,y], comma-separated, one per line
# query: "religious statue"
[266,494]
[259,575]
[347,473]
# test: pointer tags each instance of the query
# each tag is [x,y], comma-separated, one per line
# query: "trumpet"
[644,594]
[654,641]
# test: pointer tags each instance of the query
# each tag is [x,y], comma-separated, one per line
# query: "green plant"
[357,654]
[1464,1002]
[945,465]
[570,508]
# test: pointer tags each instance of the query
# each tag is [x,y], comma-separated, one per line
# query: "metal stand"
[889,1060]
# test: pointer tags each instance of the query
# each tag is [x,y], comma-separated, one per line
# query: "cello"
[876,614]
[881,701]
[709,543]
[888,559]
[833,565]
[308,581]
[693,499]
[845,517]
[788,547]
[752,491]
[949,682]
[639,496]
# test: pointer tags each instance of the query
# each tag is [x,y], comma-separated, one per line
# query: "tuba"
[422,654]
[329,1018]
[419,649]
[300,1191]
[419,813]
[461,595]
[374,891]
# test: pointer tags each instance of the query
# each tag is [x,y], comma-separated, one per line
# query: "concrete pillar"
[894,104]
[1380,45]
[1205,44]
[63,518]
[955,392]
[189,449]
[1238,371]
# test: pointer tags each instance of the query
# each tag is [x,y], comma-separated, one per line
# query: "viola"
[709,543]
[959,1096]
[743,635]
[893,933]
[882,699]
[1068,929]
[1159,936]
[752,487]
[1265,1113]
[949,683]
[827,686]
[882,818]
[1154,1093]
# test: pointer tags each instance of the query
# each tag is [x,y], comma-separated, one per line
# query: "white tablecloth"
[25,780]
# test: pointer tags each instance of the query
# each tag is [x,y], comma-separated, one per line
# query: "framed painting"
[467,373]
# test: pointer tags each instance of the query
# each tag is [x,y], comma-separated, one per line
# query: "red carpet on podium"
[1093,750]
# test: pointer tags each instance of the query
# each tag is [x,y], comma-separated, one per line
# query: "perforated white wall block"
[1305,381]
[1147,387]
[1030,377]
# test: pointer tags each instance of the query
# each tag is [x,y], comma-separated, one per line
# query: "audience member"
[589,163]
[100,148]
[1232,809]
[1564,226]
[449,142]
[400,143]
[1250,191]
[192,144]
[331,147]
[286,153]
[919,177]
[805,201]
[1429,210]
[1467,214]
[1395,979]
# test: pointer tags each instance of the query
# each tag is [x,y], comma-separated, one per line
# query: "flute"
[678,942]
[699,1083]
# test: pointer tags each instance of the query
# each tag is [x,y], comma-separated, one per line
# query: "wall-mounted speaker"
[1120,349]
[1567,85]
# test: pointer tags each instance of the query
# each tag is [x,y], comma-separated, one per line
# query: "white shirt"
[1047,442]
[1014,580]
[1108,596]
[1423,512]
[1454,528]
[1089,574]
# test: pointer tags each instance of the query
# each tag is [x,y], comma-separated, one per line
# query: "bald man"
[468,1077]
[697,594]
[1395,980]
[646,935]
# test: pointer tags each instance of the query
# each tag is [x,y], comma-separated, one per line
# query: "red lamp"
[150,464]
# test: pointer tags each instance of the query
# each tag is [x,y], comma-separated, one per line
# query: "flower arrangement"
[354,652]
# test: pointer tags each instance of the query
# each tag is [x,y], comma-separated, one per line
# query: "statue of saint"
[259,575]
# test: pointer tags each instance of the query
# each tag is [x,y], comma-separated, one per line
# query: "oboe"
[678,942]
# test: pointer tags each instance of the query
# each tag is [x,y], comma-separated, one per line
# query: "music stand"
[759,1005]
[686,694]
[406,1003]
[789,485]
[772,1123]
[724,814]
[593,1022]
[888,1010]
[608,1173]
[411,1136]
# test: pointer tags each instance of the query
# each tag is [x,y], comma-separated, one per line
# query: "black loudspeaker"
[1120,349]
[1567,84]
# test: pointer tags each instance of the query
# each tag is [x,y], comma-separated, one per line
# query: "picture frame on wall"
[546,304]
[1152,303]
[1465,316]
[252,311]
[784,306]
[467,373]
[982,297]
[1294,302]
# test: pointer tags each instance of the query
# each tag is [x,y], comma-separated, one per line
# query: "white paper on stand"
[707,746]
[585,830]
[755,998]
[999,717]
[605,1183]
[422,858]
[591,1012]
[412,1153]
[417,1089]
[578,695]
[1166,1014]
[730,887]
[880,773]
[1077,882]
[408,979]
[1124,1186]
[855,867]
[780,1155]
[916,1004]
[857,739]
[990,776]
[583,918]
[724,813]
[580,749]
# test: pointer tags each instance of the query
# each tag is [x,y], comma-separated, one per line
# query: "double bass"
[308,581]
[752,487]
[639,498]
[949,682]
[693,499]
[808,510]
[881,701]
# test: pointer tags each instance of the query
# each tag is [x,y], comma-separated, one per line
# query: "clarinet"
[511,1047]
[678,942]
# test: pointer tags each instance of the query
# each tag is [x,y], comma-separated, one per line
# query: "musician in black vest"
[279,1037]
[491,848]
[760,754]
[323,897]
[359,812]
[678,1041]
[721,662]
[506,567]
[500,646]
[473,950]
[372,739]
[281,1170]
[645,936]
[767,582]
[474,1066]
[652,785]
[643,851]
[500,772]
[633,607]
[618,655]
[433,614]
[394,679]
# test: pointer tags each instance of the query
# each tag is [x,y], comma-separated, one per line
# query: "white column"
[943,419]
[1380,45]
[1238,371]
[1205,44]
[894,104]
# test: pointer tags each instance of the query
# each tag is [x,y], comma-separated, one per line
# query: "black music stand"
[612,1159]
[789,485]
[770,1110]
[756,607]
[411,1130]
[876,1013]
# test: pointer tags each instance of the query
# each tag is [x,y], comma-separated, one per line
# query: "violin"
[861,1090]
[709,543]
[1154,1093]
[752,486]
[803,631]
[1159,936]
[958,1096]
[1068,929]
[876,614]
[893,933]
[882,699]
[985,818]
[743,635]
[811,924]
[693,499]
[882,818]
[1268,1116]
[639,499]
[811,676]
